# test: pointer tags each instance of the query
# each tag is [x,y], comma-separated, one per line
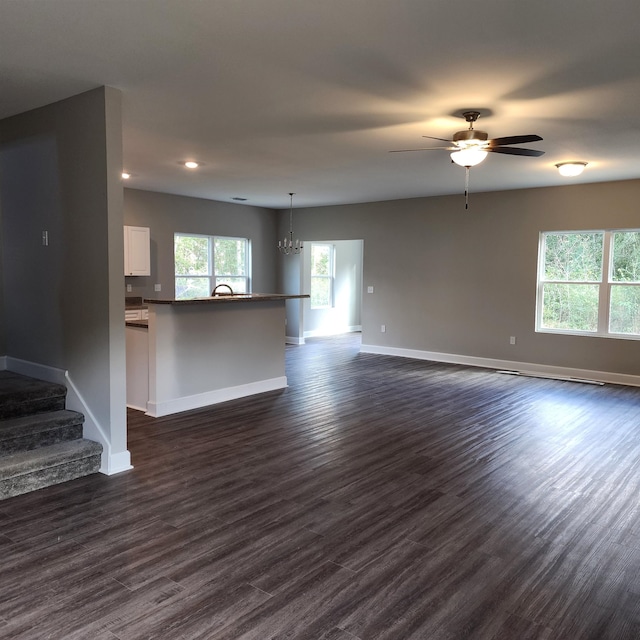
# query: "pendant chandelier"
[288,246]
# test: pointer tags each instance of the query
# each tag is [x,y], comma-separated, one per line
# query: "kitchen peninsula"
[202,351]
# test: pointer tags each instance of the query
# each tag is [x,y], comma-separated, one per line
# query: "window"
[322,275]
[202,262]
[589,283]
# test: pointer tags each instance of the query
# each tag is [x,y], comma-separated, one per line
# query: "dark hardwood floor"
[375,498]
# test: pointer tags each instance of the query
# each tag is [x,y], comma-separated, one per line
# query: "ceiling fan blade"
[424,149]
[516,151]
[441,139]
[496,142]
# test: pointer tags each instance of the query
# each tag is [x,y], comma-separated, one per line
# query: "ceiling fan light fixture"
[472,143]
[471,146]
[469,136]
[469,157]
[571,169]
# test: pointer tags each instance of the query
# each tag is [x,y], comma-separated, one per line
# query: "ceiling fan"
[471,146]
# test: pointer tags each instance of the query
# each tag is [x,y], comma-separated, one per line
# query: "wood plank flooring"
[376,498]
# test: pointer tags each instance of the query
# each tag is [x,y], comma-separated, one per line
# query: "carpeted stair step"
[30,470]
[21,395]
[39,430]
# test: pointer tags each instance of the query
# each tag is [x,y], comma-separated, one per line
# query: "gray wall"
[290,282]
[32,273]
[60,171]
[462,282]
[167,214]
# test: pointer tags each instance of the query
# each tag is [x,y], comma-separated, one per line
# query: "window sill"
[590,334]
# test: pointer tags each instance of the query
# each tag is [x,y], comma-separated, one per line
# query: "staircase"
[41,442]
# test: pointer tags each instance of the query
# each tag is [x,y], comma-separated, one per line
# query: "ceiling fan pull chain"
[466,187]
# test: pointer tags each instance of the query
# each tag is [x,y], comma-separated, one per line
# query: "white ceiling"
[309,96]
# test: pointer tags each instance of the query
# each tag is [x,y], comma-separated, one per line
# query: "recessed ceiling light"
[190,164]
[571,169]
[125,175]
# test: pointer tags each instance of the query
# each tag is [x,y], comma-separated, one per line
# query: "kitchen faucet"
[222,284]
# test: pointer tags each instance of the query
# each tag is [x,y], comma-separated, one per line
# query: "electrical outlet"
[383,328]
[45,238]
[369,289]
[157,287]
[512,340]
[129,288]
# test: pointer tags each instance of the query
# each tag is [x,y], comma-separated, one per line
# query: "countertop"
[225,299]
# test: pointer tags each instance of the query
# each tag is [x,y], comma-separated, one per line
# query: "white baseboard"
[319,333]
[292,340]
[511,365]
[116,463]
[35,370]
[197,401]
[136,407]
[110,463]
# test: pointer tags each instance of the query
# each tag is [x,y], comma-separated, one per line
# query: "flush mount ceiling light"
[126,175]
[190,164]
[571,169]
[288,246]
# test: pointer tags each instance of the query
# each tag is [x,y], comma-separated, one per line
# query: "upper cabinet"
[137,251]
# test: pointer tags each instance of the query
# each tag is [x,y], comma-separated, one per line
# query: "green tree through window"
[202,262]
[589,282]
[624,308]
[321,275]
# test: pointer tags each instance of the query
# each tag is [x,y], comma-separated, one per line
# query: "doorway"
[332,274]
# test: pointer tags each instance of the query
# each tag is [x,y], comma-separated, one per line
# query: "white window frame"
[605,283]
[330,277]
[216,278]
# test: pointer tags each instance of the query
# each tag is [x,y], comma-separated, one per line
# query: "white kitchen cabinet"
[137,251]
[137,355]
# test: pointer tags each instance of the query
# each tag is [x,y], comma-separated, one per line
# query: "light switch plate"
[157,287]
